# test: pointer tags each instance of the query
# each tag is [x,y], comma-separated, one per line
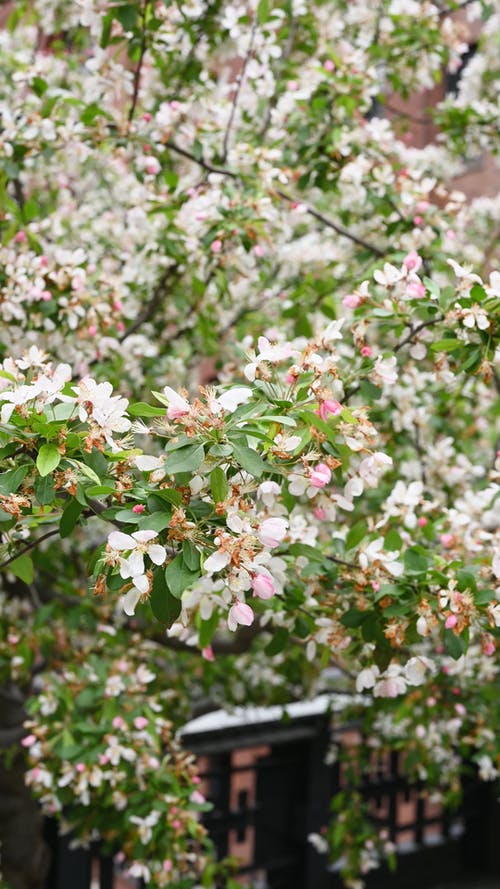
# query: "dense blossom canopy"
[248,395]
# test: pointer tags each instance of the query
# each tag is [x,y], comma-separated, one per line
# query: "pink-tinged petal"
[272,531]
[240,613]
[130,601]
[144,536]
[119,540]
[320,475]
[263,586]
[157,553]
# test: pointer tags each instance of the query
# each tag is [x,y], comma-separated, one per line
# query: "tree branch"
[239,84]
[152,305]
[333,225]
[29,546]
[417,329]
[205,165]
[138,70]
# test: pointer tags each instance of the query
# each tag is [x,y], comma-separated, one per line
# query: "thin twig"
[210,168]
[273,101]
[31,545]
[138,70]
[417,329]
[239,84]
[343,232]
[152,305]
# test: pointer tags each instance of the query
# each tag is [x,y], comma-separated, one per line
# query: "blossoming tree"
[248,398]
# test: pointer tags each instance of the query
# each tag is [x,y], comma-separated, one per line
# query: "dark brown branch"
[152,305]
[29,546]
[239,84]
[414,330]
[333,225]
[205,165]
[138,70]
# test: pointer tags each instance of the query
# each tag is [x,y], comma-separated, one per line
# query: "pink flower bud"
[412,261]
[415,290]
[80,767]
[329,65]
[447,540]
[216,246]
[197,797]
[320,475]
[366,351]
[118,722]
[146,116]
[417,220]
[263,586]
[422,206]
[140,722]
[329,407]
[117,305]
[460,709]
[489,648]
[351,301]
[375,585]
[167,865]
[20,238]
[175,105]
[259,250]
[138,508]
[176,824]
[272,531]
[103,759]
[240,613]
[319,513]
[422,521]
[92,329]
[450,234]
[12,639]
[451,621]
[28,741]
[207,653]
[292,85]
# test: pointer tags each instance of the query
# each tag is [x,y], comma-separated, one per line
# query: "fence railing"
[270,787]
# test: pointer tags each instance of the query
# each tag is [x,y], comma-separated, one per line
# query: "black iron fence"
[271,787]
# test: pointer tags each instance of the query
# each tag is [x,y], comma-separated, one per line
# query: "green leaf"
[157,521]
[126,15]
[415,561]
[449,345]
[165,607]
[206,629]
[218,484]
[23,568]
[48,459]
[356,534]
[186,459]
[70,517]
[353,618]
[454,645]
[141,409]
[249,460]
[10,480]
[179,577]
[392,541]
[44,490]
[278,642]
[190,555]
[263,11]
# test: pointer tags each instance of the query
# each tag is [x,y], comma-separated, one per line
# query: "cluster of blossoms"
[121,757]
[249,363]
